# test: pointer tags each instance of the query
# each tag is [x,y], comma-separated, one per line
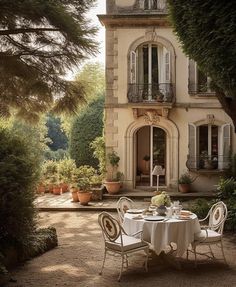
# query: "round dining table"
[160,233]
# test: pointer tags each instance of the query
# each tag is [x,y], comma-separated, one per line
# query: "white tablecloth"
[160,234]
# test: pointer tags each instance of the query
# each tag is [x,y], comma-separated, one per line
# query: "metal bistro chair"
[124,204]
[118,242]
[212,233]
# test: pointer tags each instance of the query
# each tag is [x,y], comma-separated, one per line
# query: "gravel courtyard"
[78,258]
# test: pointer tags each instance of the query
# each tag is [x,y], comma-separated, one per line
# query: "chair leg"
[146,262]
[212,254]
[126,261]
[103,263]
[187,254]
[223,253]
[121,269]
[195,256]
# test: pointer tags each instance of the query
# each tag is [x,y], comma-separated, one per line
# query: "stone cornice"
[128,20]
[166,105]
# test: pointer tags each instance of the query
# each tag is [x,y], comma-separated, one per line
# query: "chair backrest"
[217,216]
[110,226]
[123,204]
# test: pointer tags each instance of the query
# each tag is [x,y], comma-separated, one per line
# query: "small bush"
[201,207]
[18,177]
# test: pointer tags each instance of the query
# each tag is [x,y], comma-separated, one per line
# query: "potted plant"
[184,182]
[84,193]
[112,182]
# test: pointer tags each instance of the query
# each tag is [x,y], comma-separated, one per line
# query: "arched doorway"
[130,159]
[150,150]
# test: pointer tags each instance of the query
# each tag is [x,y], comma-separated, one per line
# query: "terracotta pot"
[41,189]
[57,190]
[64,187]
[50,188]
[84,197]
[184,187]
[112,187]
[74,195]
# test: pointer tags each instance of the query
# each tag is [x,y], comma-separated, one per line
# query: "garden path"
[77,260]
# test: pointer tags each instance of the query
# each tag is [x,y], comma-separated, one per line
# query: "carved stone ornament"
[135,113]
[210,119]
[151,117]
[165,112]
[151,35]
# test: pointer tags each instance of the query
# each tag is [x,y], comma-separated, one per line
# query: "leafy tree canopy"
[56,134]
[92,76]
[40,41]
[85,128]
[207,31]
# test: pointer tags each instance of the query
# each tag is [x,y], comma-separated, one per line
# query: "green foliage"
[113,159]
[55,155]
[85,171]
[66,170]
[99,152]
[185,178]
[227,192]
[55,133]
[92,76]
[201,207]
[19,172]
[226,189]
[207,32]
[40,41]
[83,184]
[86,127]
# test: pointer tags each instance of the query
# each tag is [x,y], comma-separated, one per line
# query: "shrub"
[185,179]
[85,128]
[66,170]
[98,146]
[201,207]
[18,177]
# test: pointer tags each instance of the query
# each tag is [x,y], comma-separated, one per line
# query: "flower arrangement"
[161,199]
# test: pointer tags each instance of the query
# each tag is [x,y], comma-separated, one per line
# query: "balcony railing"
[153,5]
[200,89]
[208,163]
[138,93]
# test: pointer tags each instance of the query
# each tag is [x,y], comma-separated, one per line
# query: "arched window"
[150,72]
[209,146]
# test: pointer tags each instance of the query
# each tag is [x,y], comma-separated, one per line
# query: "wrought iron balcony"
[138,7]
[200,89]
[138,93]
[208,163]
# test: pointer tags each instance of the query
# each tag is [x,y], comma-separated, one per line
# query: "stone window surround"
[152,37]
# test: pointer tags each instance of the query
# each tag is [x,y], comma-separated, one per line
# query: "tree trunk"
[228,104]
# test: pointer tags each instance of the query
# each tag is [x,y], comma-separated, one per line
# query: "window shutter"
[192,77]
[192,147]
[142,4]
[167,67]
[226,143]
[132,67]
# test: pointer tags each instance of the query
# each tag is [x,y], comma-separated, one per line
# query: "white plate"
[135,211]
[154,218]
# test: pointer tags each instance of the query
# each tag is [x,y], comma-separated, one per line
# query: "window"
[150,72]
[198,81]
[209,146]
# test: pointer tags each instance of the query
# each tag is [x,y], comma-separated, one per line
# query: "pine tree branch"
[26,30]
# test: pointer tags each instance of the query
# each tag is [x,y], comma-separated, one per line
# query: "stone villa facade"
[159,109]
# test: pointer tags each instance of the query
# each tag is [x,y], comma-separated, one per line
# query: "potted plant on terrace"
[84,193]
[184,182]
[113,180]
